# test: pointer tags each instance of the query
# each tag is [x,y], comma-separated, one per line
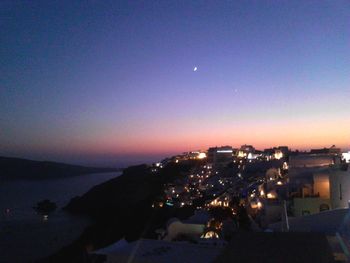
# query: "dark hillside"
[16,168]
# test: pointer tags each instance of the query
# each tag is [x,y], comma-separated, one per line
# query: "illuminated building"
[272,174]
[278,154]
[196,155]
[241,154]
[247,149]
[256,204]
[220,156]
[259,205]
[220,201]
[312,160]
[210,234]
[318,182]
[201,155]
[271,195]
[346,157]
[332,150]
[283,149]
[252,156]
[177,228]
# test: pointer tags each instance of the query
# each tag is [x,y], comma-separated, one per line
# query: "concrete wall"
[340,188]
[176,228]
[312,205]
[321,185]
[311,160]
[272,213]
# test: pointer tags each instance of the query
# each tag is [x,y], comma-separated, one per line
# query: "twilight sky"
[112,82]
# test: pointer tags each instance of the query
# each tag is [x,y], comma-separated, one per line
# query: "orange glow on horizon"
[168,139]
[301,136]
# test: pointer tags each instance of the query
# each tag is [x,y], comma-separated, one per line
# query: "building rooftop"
[159,251]
[277,247]
[328,222]
[312,160]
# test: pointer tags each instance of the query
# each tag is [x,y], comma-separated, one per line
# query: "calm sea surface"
[26,236]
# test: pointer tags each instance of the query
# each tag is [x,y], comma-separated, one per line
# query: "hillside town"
[241,196]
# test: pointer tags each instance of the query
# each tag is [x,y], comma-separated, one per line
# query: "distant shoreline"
[17,168]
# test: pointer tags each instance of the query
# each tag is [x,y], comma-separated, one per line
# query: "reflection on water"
[26,235]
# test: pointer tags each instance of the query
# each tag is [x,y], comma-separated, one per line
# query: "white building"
[346,157]
[340,188]
[159,251]
[220,156]
[176,228]
[312,160]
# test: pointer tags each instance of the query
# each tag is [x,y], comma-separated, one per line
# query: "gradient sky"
[102,82]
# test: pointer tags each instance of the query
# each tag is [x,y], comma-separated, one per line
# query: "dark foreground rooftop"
[277,247]
[253,247]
